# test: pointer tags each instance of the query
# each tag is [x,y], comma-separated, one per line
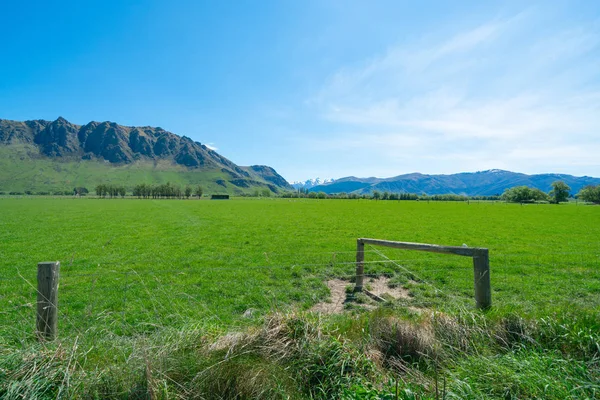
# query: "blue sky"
[322,88]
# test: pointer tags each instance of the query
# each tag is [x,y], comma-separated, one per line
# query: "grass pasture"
[141,270]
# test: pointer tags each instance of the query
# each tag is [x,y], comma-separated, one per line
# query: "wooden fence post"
[481,269]
[47,299]
[481,263]
[360,267]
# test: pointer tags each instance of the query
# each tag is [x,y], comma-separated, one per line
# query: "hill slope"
[58,155]
[484,183]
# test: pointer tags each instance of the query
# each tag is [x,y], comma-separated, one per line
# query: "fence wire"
[125,299]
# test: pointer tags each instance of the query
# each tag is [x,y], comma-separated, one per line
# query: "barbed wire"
[268,255]
[152,285]
[495,258]
[412,274]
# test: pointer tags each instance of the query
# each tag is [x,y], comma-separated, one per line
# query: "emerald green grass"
[134,270]
[233,255]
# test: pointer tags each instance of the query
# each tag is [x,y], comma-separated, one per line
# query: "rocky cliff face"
[57,138]
[120,144]
[269,175]
[109,141]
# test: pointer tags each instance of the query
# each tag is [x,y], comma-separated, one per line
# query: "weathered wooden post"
[47,299]
[481,269]
[360,267]
[481,263]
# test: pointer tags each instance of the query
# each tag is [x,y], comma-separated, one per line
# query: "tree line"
[525,194]
[377,195]
[147,191]
[590,193]
[103,190]
[167,190]
[560,193]
[519,194]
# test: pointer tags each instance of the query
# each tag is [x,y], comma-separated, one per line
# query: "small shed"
[219,197]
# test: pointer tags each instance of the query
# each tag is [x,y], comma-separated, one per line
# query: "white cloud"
[503,92]
[211,146]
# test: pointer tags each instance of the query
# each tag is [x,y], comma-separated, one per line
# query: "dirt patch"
[379,286]
[335,303]
[338,298]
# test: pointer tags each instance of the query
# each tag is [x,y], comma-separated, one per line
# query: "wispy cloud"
[211,146]
[504,93]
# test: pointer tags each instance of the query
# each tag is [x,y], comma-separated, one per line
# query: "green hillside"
[21,169]
[41,156]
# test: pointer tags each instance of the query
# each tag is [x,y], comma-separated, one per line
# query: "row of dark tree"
[40,193]
[376,195]
[167,190]
[146,191]
[110,190]
[519,194]
[78,191]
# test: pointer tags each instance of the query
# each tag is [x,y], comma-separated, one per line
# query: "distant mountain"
[310,183]
[58,154]
[483,183]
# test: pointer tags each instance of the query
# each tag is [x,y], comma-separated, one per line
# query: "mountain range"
[482,183]
[310,183]
[50,156]
[58,154]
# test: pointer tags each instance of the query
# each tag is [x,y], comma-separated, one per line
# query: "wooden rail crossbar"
[481,264]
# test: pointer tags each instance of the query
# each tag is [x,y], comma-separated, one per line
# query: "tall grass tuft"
[381,354]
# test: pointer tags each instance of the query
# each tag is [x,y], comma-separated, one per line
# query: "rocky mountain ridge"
[122,145]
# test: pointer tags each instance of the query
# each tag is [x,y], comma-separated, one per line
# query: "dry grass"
[297,355]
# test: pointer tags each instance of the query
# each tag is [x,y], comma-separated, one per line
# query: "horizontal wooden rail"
[481,264]
[434,248]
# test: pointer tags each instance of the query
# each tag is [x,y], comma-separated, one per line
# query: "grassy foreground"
[181,299]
